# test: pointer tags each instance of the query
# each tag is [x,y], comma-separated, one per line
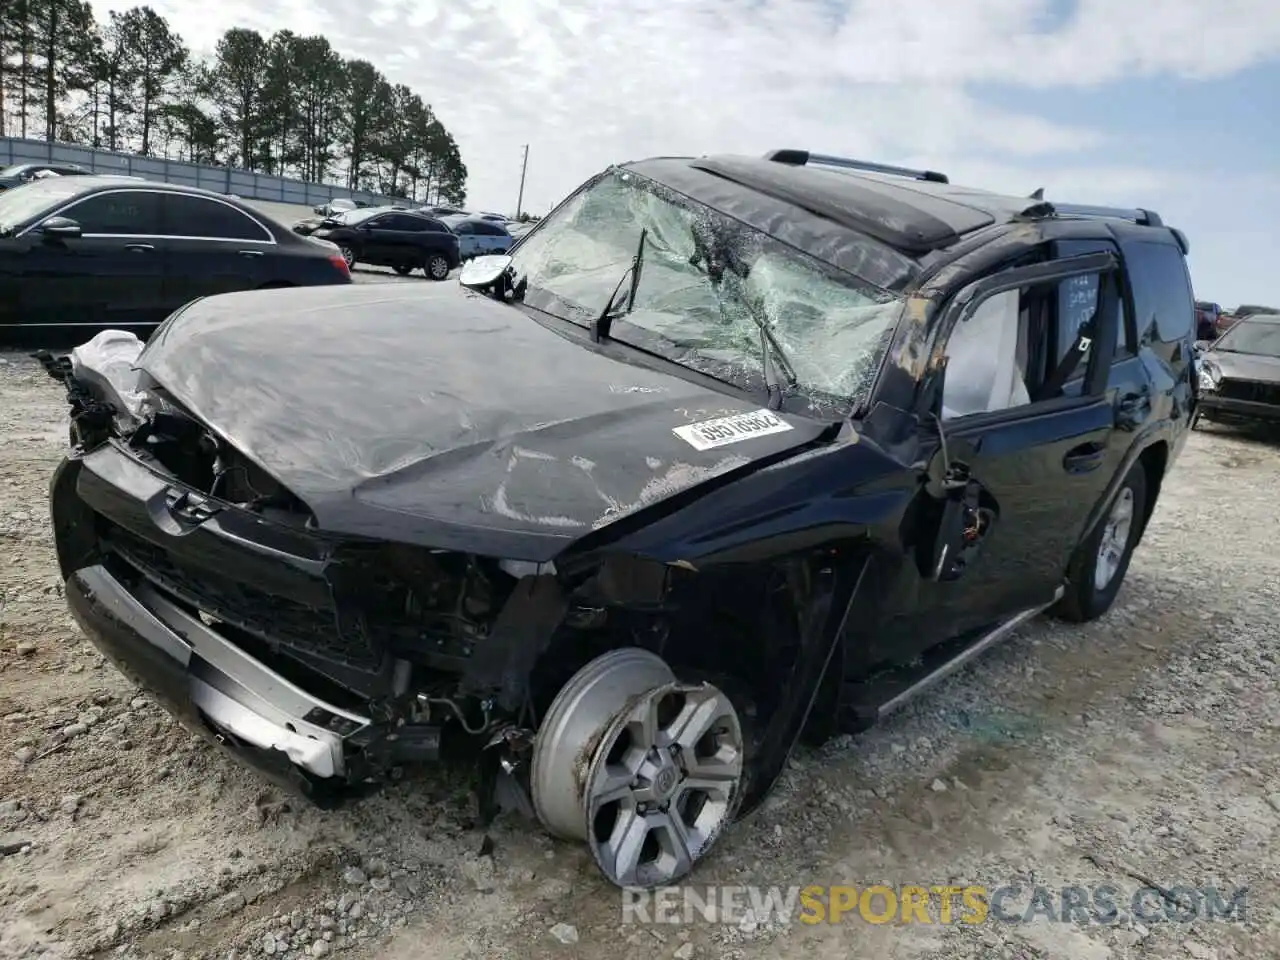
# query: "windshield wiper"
[600,325]
[774,358]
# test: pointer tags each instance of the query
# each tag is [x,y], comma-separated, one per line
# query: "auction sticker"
[710,434]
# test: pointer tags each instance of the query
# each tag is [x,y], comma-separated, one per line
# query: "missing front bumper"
[216,689]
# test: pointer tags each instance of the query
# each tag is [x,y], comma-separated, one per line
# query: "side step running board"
[864,703]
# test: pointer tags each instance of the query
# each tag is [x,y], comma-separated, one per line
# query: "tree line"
[286,105]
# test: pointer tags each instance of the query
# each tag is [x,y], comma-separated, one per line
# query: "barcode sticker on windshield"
[724,430]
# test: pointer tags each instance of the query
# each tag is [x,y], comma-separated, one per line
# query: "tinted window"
[120,212]
[490,229]
[187,216]
[408,224]
[1162,297]
[464,229]
[435,226]
[1077,303]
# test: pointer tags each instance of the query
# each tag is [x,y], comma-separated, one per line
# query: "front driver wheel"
[1102,559]
[437,268]
[348,255]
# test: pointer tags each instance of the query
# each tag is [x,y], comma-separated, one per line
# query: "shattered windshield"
[706,285]
[1258,338]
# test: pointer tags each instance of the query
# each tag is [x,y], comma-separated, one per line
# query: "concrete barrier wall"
[243,183]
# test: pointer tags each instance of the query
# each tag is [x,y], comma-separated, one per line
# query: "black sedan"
[97,251]
[401,239]
[20,173]
[1240,373]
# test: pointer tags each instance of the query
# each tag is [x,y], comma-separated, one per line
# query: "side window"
[1163,302]
[188,216]
[434,226]
[464,229]
[121,212]
[1021,346]
[410,224]
[489,230]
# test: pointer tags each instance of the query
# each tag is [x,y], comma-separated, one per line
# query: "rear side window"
[121,213]
[435,226]
[490,229]
[1163,303]
[187,216]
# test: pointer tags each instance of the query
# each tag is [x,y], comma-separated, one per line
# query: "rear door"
[468,241]
[113,274]
[212,248]
[491,238]
[404,240]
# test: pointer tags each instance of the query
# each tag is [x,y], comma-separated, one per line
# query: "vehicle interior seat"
[986,359]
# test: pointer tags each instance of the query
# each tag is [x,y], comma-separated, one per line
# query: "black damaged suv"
[728,451]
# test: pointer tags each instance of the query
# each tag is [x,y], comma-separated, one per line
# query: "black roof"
[914,212]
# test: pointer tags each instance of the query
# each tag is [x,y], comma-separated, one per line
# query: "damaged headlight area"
[1209,377]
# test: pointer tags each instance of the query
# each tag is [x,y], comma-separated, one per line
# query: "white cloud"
[589,82]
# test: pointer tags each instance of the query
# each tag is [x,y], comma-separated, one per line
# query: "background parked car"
[334,206]
[478,236]
[1207,315]
[97,251]
[21,173]
[308,225]
[1240,372]
[443,211]
[403,240]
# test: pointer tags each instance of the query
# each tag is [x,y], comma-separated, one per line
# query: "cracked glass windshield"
[706,284]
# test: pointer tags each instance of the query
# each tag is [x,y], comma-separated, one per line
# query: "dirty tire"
[1085,599]
[403,269]
[436,268]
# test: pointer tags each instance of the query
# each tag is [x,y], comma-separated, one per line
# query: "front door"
[111,275]
[1023,405]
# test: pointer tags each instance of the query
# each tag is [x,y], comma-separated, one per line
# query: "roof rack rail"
[801,158]
[1144,218]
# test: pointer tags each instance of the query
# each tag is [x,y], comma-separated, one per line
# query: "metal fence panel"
[244,183]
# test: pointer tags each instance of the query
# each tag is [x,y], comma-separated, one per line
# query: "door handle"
[139,247]
[1132,410]
[250,253]
[1082,459]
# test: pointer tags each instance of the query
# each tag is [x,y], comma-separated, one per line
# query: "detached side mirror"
[59,228]
[489,274]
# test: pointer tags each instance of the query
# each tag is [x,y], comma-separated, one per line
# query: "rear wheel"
[436,267]
[348,254]
[1102,558]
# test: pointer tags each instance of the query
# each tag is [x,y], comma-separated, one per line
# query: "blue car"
[478,236]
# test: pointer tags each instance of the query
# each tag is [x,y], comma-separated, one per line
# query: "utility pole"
[524,165]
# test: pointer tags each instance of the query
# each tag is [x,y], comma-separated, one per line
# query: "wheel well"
[1153,460]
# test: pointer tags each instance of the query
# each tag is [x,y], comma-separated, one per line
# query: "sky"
[1165,104]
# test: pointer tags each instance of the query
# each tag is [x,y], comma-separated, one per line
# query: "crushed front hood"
[1245,366]
[436,416]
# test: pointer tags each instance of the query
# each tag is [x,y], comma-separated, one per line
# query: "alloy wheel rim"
[439,267]
[664,783]
[1115,539]
[348,255]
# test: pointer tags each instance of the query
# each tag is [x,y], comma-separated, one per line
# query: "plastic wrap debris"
[105,366]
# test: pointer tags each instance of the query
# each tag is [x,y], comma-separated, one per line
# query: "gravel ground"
[1138,750]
